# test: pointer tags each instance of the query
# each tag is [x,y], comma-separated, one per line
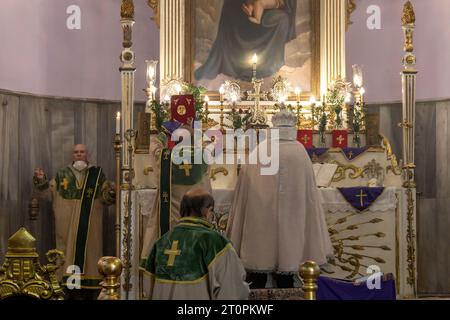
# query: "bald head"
[197,202]
[80,153]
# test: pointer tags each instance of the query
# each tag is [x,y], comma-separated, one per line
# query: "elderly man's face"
[80,153]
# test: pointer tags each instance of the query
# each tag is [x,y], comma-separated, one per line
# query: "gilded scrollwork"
[351,7]
[342,169]
[154,4]
[411,240]
[217,171]
[394,166]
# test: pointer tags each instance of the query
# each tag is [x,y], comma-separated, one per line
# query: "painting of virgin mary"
[228,33]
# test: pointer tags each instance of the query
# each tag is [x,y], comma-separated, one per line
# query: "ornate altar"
[380,237]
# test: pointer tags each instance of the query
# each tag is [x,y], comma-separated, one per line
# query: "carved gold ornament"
[21,273]
[411,241]
[342,169]
[351,7]
[154,4]
[408,17]
[217,171]
[127,9]
[394,167]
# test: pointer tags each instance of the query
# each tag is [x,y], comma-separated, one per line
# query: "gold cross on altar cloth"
[340,139]
[305,139]
[64,184]
[172,253]
[361,197]
[166,155]
[166,197]
[187,169]
[90,192]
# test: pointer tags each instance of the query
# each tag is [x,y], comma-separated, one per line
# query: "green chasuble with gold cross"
[193,261]
[78,202]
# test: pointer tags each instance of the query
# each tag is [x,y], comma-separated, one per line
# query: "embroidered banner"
[361,198]
[340,138]
[316,152]
[333,289]
[183,108]
[305,137]
[352,153]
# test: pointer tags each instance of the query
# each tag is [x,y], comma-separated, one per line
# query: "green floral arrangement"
[197,92]
[357,120]
[336,94]
[239,118]
[161,114]
[322,122]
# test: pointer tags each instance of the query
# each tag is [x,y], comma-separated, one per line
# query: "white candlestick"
[118,123]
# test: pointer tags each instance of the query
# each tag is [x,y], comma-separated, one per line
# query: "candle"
[118,123]
[362,91]
[221,91]
[312,101]
[298,91]
[255,61]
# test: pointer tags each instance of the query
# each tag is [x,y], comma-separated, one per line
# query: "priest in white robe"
[276,222]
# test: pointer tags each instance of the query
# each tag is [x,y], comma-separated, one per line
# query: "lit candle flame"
[255,59]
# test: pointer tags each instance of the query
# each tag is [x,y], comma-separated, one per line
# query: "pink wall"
[40,55]
[381,51]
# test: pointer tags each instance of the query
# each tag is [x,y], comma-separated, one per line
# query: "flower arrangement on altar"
[336,95]
[239,118]
[357,120]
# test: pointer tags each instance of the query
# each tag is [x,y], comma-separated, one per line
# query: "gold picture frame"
[189,49]
[176,42]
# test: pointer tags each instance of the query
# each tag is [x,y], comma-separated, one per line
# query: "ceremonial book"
[324,173]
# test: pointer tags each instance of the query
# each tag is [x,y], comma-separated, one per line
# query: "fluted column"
[333,20]
[409,74]
[127,73]
[172,35]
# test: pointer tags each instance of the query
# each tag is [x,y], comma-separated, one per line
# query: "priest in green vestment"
[78,194]
[193,261]
[173,183]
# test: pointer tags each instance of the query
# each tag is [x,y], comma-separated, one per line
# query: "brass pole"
[118,149]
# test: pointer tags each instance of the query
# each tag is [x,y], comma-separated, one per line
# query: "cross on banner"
[172,253]
[305,139]
[340,139]
[361,196]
